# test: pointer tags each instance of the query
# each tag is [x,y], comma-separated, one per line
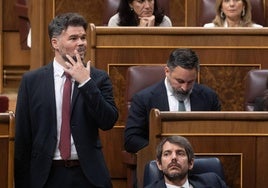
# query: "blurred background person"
[233,13]
[142,13]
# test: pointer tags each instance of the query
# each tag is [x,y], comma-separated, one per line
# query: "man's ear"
[54,43]
[159,165]
[191,164]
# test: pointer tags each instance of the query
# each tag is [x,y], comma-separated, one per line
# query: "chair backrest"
[4,104]
[111,6]
[201,165]
[140,77]
[255,84]
[207,11]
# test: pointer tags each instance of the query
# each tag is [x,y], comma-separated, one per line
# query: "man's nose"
[184,87]
[174,156]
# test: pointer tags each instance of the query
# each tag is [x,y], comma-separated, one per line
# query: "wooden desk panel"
[131,45]
[244,48]
[114,49]
[7,135]
[235,134]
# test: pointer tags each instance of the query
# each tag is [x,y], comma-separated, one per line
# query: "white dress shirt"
[185,185]
[59,80]
[173,101]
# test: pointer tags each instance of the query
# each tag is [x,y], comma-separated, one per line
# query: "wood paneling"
[1,45]
[228,80]
[222,134]
[226,55]
[14,67]
[3,162]
[91,10]
[10,21]
[223,48]
[7,133]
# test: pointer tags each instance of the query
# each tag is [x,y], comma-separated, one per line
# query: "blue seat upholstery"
[201,165]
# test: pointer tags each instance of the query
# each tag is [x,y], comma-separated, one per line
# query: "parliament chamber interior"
[233,63]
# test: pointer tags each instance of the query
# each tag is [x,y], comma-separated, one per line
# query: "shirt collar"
[58,68]
[185,185]
[169,89]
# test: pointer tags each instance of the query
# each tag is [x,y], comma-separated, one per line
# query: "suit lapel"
[75,94]
[195,98]
[48,79]
[49,93]
[160,99]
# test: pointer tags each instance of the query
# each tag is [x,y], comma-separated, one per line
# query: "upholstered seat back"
[4,104]
[111,6]
[255,84]
[140,77]
[201,165]
[207,11]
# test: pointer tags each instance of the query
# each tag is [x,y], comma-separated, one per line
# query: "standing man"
[177,92]
[60,147]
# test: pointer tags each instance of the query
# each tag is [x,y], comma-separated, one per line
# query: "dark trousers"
[67,177]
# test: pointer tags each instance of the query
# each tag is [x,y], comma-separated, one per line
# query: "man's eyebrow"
[168,150]
[78,35]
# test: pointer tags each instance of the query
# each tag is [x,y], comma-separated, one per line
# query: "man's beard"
[66,59]
[79,50]
[180,94]
[174,176]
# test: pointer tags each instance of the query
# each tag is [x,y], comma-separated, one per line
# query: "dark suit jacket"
[205,180]
[258,104]
[93,107]
[202,98]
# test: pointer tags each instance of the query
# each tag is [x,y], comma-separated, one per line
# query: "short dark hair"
[183,57]
[62,21]
[178,140]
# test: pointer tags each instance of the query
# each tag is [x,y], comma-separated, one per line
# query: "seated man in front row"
[177,92]
[175,157]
